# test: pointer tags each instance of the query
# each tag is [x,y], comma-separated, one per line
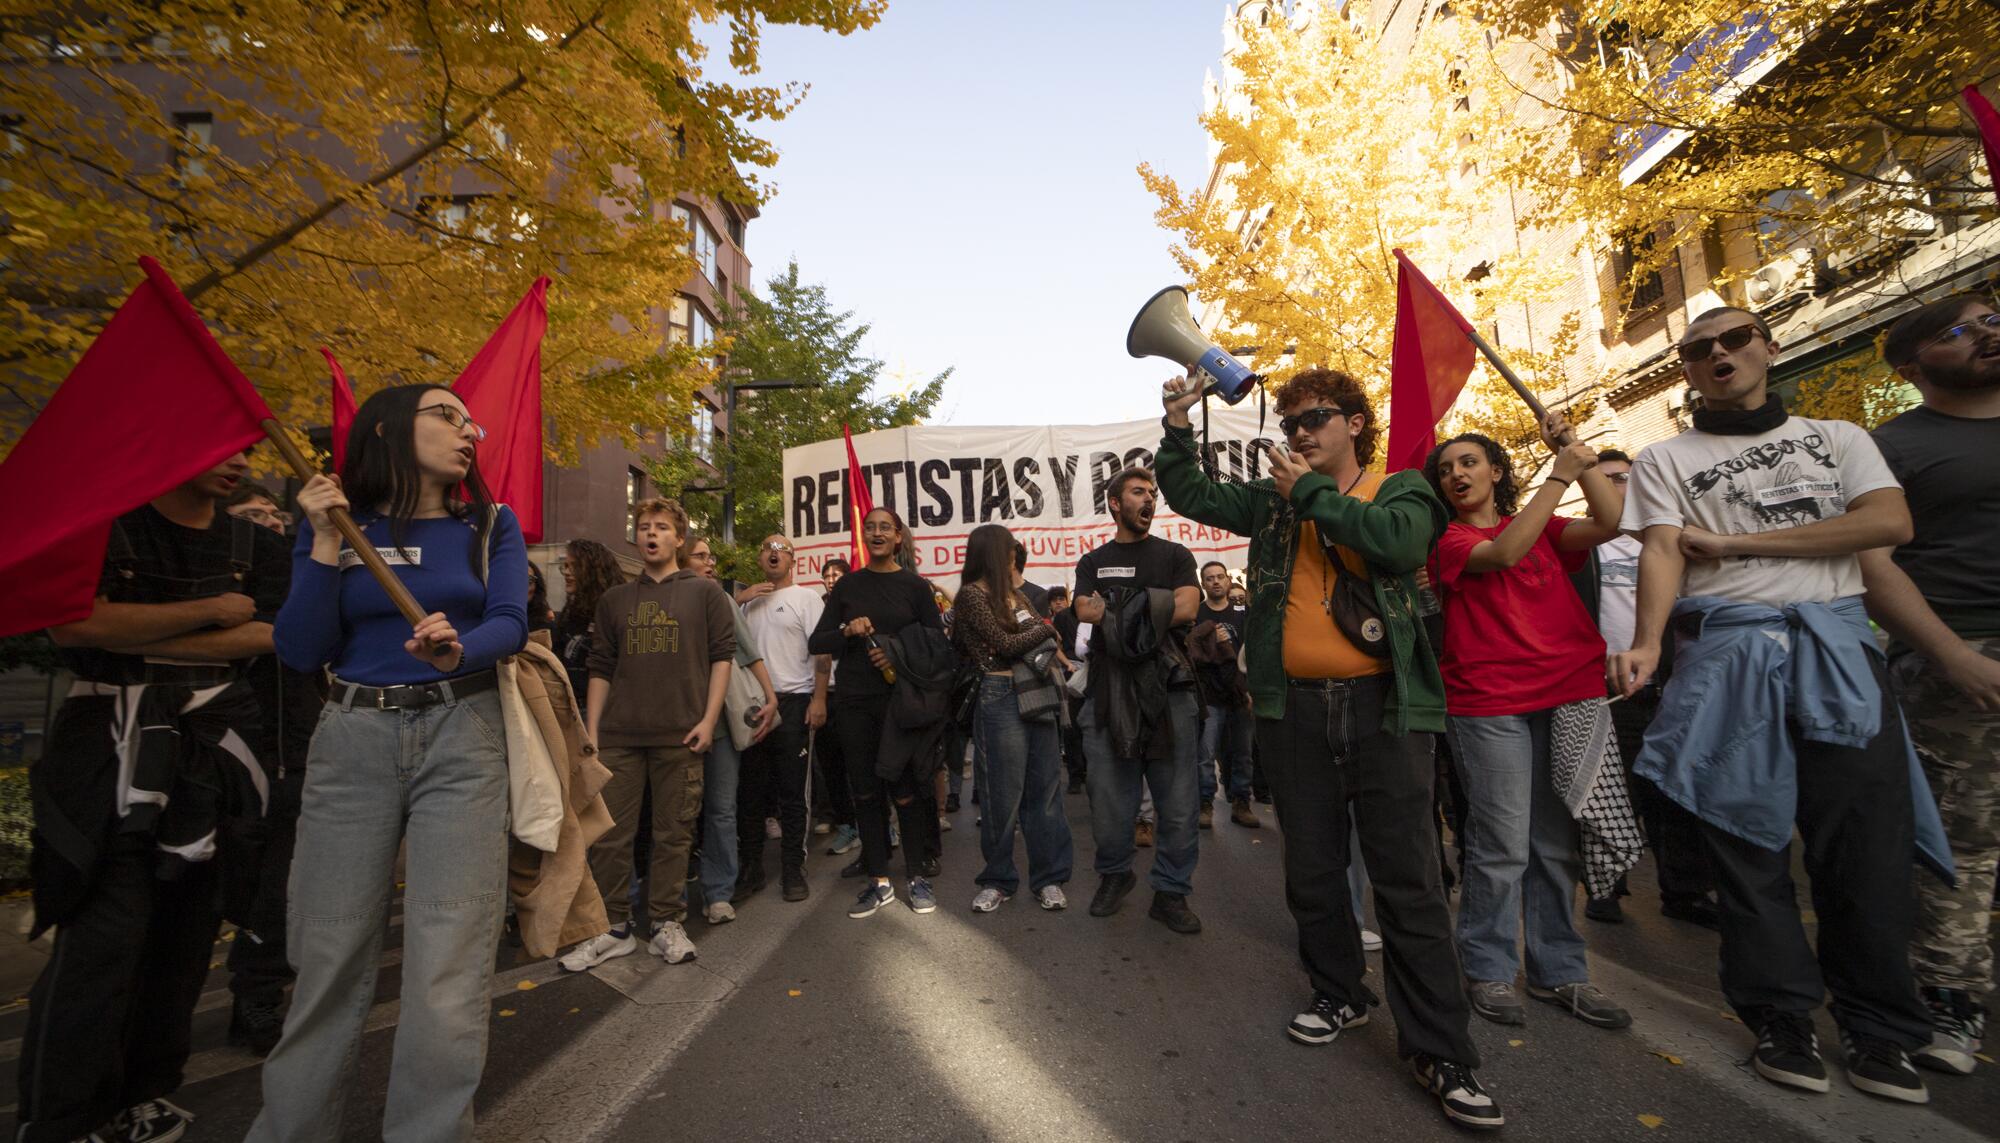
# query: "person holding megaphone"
[1347,693]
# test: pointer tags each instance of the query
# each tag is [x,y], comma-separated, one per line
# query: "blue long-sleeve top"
[1719,744]
[340,617]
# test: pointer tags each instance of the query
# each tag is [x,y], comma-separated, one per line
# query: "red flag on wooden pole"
[859,503]
[1988,121]
[1430,363]
[502,389]
[153,403]
[342,402]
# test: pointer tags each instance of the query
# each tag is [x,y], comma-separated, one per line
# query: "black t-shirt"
[892,601]
[161,550]
[1947,466]
[1151,562]
[1220,677]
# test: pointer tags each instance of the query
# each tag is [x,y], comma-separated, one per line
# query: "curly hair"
[1341,391]
[1506,494]
[596,571]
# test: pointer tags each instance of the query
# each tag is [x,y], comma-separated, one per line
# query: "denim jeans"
[1521,854]
[718,820]
[436,778]
[1018,772]
[1114,798]
[1225,743]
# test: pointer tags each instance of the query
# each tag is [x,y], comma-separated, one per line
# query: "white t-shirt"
[1801,472]
[1618,591]
[780,623]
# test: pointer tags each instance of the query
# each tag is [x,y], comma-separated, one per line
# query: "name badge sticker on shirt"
[1117,573]
[408,557]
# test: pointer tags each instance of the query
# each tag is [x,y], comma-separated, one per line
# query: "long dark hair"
[381,467]
[989,563]
[597,571]
[1506,494]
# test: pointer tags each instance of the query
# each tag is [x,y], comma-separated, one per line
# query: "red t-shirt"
[1516,640]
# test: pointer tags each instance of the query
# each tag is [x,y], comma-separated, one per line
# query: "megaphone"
[1164,328]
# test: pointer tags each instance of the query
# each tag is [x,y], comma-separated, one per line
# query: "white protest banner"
[1047,484]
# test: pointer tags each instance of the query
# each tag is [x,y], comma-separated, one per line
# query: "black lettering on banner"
[938,511]
[1103,466]
[910,488]
[832,502]
[1025,471]
[1063,471]
[803,523]
[887,472]
[1257,450]
[965,466]
[1140,456]
[993,491]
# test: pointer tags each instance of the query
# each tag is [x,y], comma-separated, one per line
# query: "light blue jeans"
[436,778]
[1115,790]
[1520,854]
[718,820]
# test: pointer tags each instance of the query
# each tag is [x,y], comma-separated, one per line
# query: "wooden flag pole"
[348,529]
[1507,374]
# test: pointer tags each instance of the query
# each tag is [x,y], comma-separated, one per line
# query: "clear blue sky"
[963,177]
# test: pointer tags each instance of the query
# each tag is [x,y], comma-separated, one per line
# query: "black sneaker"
[255,1026]
[1958,1028]
[1879,1067]
[1324,1020]
[1458,1092]
[951,803]
[154,1121]
[1788,1052]
[930,867]
[852,869]
[1111,893]
[794,882]
[1695,911]
[873,896]
[1171,910]
[1605,909]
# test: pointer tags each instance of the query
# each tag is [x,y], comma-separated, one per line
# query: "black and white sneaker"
[1324,1020]
[873,896]
[1957,1028]
[1458,1092]
[1788,1052]
[154,1121]
[1879,1067]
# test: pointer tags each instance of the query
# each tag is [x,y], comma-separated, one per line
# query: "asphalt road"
[797,1022]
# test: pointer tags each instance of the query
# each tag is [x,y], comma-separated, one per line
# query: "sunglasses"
[1731,339]
[777,546]
[1310,420]
[1965,329]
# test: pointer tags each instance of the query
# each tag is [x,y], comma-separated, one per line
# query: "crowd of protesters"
[1406,661]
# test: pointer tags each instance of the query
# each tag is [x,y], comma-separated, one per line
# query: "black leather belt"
[411,695]
[1329,686]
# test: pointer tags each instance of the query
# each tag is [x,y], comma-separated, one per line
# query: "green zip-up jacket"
[1393,534]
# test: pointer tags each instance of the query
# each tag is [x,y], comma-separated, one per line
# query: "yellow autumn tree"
[1339,145]
[1824,130]
[382,178]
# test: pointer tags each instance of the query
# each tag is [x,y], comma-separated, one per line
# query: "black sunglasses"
[1731,339]
[1310,420]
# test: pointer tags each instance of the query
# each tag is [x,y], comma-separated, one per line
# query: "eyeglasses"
[1310,420]
[878,529]
[1964,330]
[777,546]
[267,516]
[1731,339]
[704,557]
[455,419]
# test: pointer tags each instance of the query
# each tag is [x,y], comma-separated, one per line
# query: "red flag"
[1988,121]
[154,402]
[502,389]
[343,408]
[859,503]
[1431,361]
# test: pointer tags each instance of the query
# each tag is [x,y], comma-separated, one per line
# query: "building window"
[688,323]
[635,487]
[702,242]
[735,225]
[1650,290]
[196,134]
[701,431]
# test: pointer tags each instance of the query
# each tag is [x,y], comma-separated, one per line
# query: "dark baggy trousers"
[1329,753]
[859,721]
[774,782]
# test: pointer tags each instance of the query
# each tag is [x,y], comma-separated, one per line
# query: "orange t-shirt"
[1314,647]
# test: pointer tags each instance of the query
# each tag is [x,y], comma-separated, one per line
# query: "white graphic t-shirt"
[1618,591]
[1798,473]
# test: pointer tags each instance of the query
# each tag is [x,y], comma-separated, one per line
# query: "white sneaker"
[944,824]
[671,944]
[1051,897]
[720,913]
[773,830]
[1371,941]
[597,950]
[987,899]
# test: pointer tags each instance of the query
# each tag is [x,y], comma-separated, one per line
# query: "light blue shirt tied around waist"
[1719,744]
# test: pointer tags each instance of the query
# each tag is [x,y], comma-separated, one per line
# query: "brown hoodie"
[654,641]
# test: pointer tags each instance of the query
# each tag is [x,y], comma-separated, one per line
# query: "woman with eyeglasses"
[871,602]
[409,749]
[1523,665]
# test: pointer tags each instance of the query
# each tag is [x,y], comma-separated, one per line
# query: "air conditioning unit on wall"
[1780,280]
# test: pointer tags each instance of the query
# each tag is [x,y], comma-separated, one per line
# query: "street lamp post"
[728,489]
